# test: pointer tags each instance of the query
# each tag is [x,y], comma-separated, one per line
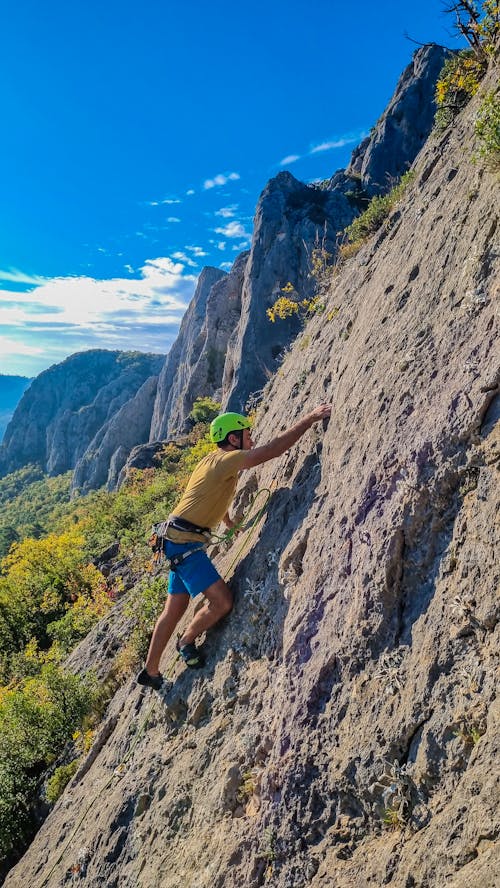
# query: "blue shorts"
[193,575]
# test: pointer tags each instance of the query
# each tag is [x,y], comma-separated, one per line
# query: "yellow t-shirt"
[209,492]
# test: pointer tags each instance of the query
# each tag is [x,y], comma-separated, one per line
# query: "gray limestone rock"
[107,453]
[143,456]
[200,373]
[400,133]
[67,406]
[182,357]
[292,217]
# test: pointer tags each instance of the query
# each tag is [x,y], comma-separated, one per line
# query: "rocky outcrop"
[292,218]
[345,729]
[108,451]
[69,404]
[143,456]
[398,136]
[182,358]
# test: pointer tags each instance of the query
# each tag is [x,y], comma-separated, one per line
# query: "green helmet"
[222,425]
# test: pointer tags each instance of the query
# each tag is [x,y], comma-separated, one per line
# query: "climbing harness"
[159,533]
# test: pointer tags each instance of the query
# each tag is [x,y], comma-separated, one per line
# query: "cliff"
[184,354]
[345,730]
[232,350]
[66,406]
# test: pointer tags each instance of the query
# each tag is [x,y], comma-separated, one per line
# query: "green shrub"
[487,129]
[59,781]
[375,214]
[204,410]
[37,719]
[32,505]
[479,24]
[144,605]
[458,82]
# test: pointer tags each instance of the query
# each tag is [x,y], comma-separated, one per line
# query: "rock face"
[345,729]
[69,404]
[183,357]
[108,451]
[292,217]
[404,126]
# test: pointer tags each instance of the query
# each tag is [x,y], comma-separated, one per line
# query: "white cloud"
[166,202]
[14,347]
[290,158]
[68,314]
[173,219]
[330,145]
[220,179]
[191,191]
[337,143]
[197,251]
[226,265]
[183,257]
[232,229]
[13,275]
[221,245]
[227,212]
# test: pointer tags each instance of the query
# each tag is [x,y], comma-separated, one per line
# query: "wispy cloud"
[227,212]
[329,145]
[183,257]
[173,219]
[220,179]
[14,276]
[290,158]
[190,191]
[233,229]
[337,143]
[75,313]
[197,251]
[168,201]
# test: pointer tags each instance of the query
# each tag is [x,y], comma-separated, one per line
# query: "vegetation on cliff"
[51,594]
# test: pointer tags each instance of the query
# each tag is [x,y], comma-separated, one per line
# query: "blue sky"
[137,138]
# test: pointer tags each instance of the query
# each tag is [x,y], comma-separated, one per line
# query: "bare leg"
[175,608]
[220,602]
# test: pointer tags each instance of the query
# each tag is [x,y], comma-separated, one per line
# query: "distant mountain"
[11,390]
[61,421]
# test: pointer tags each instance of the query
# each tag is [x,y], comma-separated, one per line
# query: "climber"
[204,504]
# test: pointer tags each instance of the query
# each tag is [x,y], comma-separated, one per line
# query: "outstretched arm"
[283,442]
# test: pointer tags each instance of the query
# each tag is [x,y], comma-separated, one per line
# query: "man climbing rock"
[204,504]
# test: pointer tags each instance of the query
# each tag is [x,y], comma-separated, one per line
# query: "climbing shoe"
[191,655]
[150,681]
